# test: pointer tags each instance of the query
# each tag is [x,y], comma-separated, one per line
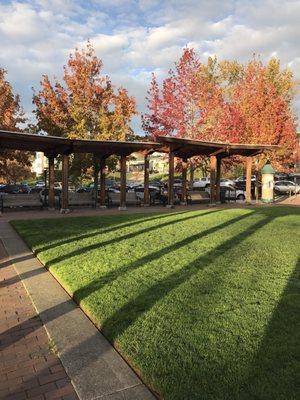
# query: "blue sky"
[134,38]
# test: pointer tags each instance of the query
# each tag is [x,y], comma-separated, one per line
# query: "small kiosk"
[267,177]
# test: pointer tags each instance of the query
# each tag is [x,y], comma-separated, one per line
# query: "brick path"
[29,368]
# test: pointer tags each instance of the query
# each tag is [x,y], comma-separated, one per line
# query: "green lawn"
[203,304]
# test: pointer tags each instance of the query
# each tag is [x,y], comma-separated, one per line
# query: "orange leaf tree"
[86,105]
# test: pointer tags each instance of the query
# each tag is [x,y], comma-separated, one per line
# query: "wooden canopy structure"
[175,147]
[53,146]
[216,151]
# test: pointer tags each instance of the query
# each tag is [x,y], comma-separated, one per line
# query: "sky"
[137,37]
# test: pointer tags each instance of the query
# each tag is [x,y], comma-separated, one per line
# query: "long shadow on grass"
[130,312]
[275,371]
[81,293]
[137,219]
[97,245]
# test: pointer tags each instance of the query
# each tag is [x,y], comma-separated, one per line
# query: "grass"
[203,304]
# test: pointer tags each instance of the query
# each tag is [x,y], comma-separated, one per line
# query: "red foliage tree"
[226,101]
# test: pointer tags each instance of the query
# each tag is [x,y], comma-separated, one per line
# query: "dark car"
[36,190]
[24,188]
[84,189]
[279,176]
[10,189]
[157,184]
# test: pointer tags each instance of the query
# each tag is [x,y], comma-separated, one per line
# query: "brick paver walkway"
[29,368]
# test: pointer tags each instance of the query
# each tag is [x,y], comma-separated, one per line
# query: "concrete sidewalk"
[96,370]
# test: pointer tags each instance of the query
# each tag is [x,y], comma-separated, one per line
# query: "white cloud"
[135,37]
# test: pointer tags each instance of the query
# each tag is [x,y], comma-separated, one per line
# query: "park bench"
[81,199]
[197,196]
[131,199]
[20,200]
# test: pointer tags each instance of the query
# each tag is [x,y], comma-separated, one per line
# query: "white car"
[286,187]
[205,182]
[231,193]
[201,183]
[57,185]
[226,182]
[243,178]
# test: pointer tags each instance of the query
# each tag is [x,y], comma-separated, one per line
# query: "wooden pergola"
[216,151]
[53,146]
[175,147]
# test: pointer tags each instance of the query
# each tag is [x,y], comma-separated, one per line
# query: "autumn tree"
[183,105]
[263,98]
[14,165]
[86,105]
[187,104]
[231,102]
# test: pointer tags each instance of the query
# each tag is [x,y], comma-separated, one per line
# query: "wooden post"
[96,179]
[102,183]
[256,187]
[146,180]
[184,182]
[51,194]
[65,184]
[248,178]
[171,180]
[213,167]
[192,171]
[123,183]
[218,180]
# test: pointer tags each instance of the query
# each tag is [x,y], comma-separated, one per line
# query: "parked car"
[201,183]
[40,184]
[11,189]
[205,182]
[154,193]
[83,189]
[24,188]
[231,192]
[286,187]
[157,184]
[243,179]
[226,182]
[280,176]
[57,185]
[36,189]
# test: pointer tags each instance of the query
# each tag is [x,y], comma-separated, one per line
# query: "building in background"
[158,163]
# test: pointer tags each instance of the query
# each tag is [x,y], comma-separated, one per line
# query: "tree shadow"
[135,219]
[118,239]
[130,312]
[275,370]
[85,291]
